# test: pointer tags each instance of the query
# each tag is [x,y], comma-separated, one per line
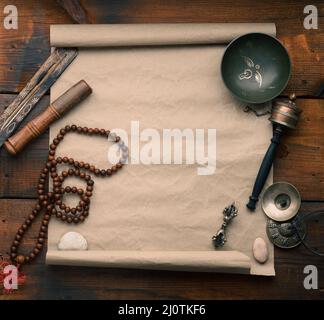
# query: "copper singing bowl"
[255,67]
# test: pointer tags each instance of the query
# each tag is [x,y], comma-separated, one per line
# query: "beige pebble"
[260,250]
[73,241]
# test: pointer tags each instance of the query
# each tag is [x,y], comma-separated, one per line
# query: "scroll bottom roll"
[203,261]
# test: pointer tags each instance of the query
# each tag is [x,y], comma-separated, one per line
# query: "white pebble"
[260,250]
[73,241]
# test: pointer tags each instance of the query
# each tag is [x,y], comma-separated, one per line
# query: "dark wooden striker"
[54,111]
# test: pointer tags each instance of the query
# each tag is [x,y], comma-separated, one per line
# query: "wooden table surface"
[300,159]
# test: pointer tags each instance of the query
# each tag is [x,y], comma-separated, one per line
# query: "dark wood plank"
[19,175]
[22,51]
[34,90]
[58,282]
[301,153]
[75,10]
[299,160]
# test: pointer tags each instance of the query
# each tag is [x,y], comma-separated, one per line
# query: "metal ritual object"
[285,114]
[286,234]
[35,89]
[281,201]
[308,246]
[255,67]
[229,213]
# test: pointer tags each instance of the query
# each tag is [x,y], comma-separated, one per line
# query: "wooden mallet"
[53,112]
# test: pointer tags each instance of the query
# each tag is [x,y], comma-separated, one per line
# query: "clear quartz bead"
[112,137]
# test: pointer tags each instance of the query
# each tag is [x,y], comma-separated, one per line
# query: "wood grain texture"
[22,51]
[299,159]
[35,89]
[75,10]
[19,174]
[59,282]
[38,125]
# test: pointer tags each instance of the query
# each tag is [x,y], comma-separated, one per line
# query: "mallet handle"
[265,168]
[54,111]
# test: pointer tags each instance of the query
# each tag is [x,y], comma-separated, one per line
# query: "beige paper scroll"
[162,216]
[126,35]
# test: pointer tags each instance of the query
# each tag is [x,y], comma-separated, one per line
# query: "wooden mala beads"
[51,203]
